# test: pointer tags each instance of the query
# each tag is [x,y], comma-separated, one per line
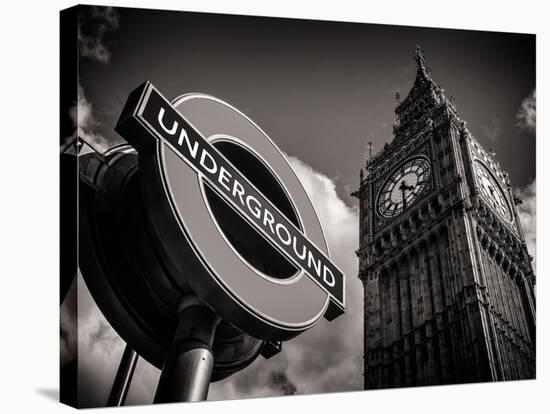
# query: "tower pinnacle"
[423,97]
[419,55]
[421,62]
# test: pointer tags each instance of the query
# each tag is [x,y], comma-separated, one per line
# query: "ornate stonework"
[448,283]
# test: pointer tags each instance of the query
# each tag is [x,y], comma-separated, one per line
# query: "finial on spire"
[397,97]
[421,61]
[419,55]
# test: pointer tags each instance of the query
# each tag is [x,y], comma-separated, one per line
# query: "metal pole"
[123,378]
[187,369]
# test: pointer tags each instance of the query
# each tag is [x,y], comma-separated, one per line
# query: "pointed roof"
[415,111]
[423,70]
[424,96]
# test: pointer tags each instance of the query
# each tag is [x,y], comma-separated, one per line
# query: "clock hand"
[403,186]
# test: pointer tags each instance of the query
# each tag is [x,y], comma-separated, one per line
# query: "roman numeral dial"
[491,191]
[403,186]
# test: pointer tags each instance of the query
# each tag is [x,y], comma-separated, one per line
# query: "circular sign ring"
[265,307]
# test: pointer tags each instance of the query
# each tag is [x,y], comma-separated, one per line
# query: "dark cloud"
[526,118]
[279,380]
[94,23]
[264,378]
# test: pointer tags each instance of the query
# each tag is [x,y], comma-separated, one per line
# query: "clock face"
[402,188]
[492,191]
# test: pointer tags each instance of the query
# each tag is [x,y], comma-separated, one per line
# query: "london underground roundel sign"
[229,214]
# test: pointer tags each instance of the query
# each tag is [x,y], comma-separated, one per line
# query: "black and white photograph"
[276,206]
[272,207]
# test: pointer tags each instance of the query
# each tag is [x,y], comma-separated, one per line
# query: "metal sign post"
[188,366]
[123,378]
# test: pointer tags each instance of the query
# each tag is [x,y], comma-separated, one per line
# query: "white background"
[29,205]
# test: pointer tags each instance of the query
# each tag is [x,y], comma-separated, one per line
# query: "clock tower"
[448,283]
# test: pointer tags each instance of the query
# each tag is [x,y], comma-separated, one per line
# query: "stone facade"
[448,283]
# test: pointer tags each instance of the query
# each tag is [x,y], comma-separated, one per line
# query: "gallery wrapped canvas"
[256,206]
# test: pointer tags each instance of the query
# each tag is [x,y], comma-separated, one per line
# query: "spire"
[423,69]
[419,56]
[422,82]
[424,96]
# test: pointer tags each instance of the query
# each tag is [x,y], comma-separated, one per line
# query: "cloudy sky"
[322,91]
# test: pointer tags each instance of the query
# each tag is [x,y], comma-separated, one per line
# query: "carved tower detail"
[448,283]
